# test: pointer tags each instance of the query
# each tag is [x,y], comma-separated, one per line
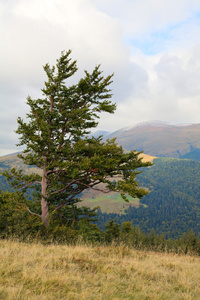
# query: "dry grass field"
[146,157]
[36,271]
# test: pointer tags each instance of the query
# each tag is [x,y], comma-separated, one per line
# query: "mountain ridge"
[160,139]
[156,138]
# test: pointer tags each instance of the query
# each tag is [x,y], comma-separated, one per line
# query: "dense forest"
[172,207]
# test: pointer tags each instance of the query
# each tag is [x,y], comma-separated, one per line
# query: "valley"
[172,206]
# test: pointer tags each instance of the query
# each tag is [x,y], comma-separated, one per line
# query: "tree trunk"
[44,203]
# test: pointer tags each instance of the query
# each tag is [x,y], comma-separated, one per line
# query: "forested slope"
[173,204]
[172,207]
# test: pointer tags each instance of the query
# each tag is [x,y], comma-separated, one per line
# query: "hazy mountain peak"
[156,123]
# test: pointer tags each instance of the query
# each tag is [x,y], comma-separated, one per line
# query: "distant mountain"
[161,139]
[11,154]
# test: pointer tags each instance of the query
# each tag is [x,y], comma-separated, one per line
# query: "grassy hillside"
[12,161]
[160,139]
[35,271]
[110,203]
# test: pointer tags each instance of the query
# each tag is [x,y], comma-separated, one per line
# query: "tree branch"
[28,184]
[61,190]
[95,189]
[27,208]
[55,171]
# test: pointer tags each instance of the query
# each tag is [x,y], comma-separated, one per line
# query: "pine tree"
[57,142]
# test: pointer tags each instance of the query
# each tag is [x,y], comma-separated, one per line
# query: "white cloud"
[144,16]
[152,46]
[35,32]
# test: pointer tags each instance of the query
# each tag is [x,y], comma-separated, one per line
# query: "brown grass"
[147,157]
[35,271]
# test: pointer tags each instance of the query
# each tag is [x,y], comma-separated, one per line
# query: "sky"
[151,46]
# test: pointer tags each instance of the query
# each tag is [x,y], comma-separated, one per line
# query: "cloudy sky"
[152,46]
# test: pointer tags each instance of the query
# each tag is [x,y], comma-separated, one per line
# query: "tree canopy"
[56,140]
